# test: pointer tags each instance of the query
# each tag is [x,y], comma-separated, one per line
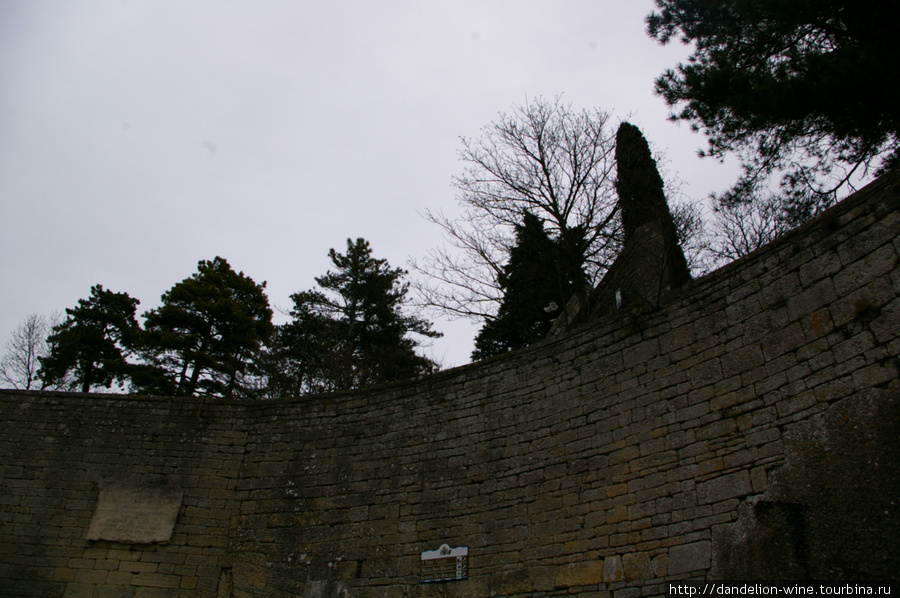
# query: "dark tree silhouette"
[91,346]
[545,159]
[207,332]
[804,88]
[535,289]
[353,331]
[642,198]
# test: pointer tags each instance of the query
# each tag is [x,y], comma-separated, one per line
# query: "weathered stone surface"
[796,530]
[750,418]
[613,569]
[637,566]
[512,583]
[580,574]
[135,513]
[688,558]
[724,487]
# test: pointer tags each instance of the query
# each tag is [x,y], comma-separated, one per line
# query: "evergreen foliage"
[353,332]
[206,333]
[535,289]
[213,336]
[642,197]
[803,87]
[90,348]
[640,188]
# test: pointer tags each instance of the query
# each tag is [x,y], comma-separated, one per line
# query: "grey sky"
[138,137]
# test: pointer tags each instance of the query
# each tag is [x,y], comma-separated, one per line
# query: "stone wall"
[55,451]
[746,428]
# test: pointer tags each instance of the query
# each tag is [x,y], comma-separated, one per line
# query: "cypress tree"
[642,198]
[536,285]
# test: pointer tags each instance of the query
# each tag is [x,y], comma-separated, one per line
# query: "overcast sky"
[138,137]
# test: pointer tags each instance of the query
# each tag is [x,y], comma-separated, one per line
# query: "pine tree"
[807,88]
[207,332]
[92,344]
[353,332]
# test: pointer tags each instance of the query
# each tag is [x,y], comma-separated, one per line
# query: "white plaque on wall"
[445,564]
[135,513]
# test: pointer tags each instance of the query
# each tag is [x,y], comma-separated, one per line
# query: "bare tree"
[738,228]
[692,236]
[20,364]
[544,159]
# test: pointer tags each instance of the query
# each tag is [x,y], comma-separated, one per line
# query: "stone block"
[874,375]
[705,374]
[91,576]
[818,268]
[689,558]
[885,326]
[637,566]
[510,583]
[717,429]
[815,297]
[741,360]
[660,565]
[135,513]
[617,514]
[612,569]
[78,590]
[780,290]
[640,353]
[724,487]
[156,580]
[858,246]
[113,592]
[783,340]
[579,574]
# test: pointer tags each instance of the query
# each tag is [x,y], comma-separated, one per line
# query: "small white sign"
[445,564]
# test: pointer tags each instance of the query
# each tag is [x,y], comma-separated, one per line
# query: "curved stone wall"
[748,428]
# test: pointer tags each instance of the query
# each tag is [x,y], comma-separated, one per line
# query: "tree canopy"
[542,158]
[20,364]
[207,331]
[213,336]
[91,346]
[353,332]
[534,292]
[805,88]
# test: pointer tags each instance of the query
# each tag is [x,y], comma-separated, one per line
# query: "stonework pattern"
[748,426]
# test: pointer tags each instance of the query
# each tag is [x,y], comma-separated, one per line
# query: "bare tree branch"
[20,365]
[542,158]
